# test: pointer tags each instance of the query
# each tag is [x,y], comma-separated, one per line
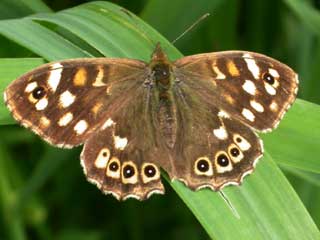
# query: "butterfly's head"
[158,56]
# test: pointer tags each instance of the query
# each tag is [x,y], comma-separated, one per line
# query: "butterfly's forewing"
[65,102]
[253,88]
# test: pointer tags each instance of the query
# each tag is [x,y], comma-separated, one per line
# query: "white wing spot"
[66,99]
[242,143]
[249,87]
[81,127]
[271,90]
[42,104]
[220,75]
[256,106]
[274,73]
[274,106]
[103,158]
[252,65]
[98,81]
[55,76]
[31,86]
[248,114]
[65,119]
[120,143]
[107,123]
[223,114]
[44,121]
[221,133]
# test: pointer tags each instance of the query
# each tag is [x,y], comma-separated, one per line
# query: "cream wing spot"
[256,106]
[248,114]
[274,73]
[107,123]
[98,81]
[66,99]
[65,119]
[81,127]
[31,86]
[241,142]
[102,158]
[220,133]
[217,71]
[223,114]
[42,104]
[44,122]
[119,142]
[249,87]
[55,76]
[270,90]
[274,106]
[252,65]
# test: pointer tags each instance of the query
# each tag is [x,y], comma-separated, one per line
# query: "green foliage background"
[43,192]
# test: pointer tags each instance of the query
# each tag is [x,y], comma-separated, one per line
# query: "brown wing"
[251,87]
[124,157]
[213,149]
[65,102]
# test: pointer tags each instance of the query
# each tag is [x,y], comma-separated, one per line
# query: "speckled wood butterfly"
[196,117]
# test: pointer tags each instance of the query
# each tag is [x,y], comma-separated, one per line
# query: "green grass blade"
[266,203]
[37,39]
[296,142]
[306,13]
[267,206]
[21,8]
[10,69]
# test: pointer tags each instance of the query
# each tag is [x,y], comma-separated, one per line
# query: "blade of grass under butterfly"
[262,203]
[10,69]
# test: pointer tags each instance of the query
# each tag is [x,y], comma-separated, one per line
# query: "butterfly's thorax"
[161,72]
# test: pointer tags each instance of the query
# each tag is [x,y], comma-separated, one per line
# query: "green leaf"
[21,8]
[266,206]
[295,144]
[11,69]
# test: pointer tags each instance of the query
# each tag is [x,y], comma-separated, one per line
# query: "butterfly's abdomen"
[167,118]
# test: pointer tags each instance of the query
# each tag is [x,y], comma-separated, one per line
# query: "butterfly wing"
[123,157]
[253,88]
[222,98]
[65,102]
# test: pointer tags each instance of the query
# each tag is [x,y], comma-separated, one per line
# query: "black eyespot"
[113,166]
[268,78]
[105,154]
[128,171]
[223,160]
[39,92]
[235,152]
[203,165]
[238,140]
[150,171]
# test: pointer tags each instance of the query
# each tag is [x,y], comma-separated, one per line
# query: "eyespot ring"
[203,166]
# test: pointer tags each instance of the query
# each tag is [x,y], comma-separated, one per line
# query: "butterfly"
[197,117]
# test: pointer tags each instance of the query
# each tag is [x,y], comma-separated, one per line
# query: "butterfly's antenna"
[204,16]
[233,210]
